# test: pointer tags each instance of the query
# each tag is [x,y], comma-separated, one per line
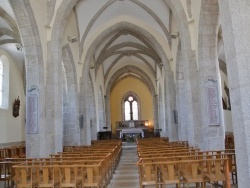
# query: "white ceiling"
[7,32]
[123,45]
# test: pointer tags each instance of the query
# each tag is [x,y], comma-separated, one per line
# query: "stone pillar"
[181,99]
[170,98]
[210,101]
[37,141]
[193,101]
[85,110]
[162,114]
[107,112]
[235,16]
[155,103]
[71,130]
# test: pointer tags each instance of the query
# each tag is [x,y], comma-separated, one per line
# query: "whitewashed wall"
[13,129]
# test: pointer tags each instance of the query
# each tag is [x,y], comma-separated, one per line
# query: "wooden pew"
[5,172]
[147,174]
[26,176]
[184,172]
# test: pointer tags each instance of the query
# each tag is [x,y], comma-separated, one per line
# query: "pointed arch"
[137,99]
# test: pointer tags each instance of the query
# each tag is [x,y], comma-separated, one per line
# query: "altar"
[132,132]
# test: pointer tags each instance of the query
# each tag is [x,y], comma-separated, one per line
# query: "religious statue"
[16,107]
[228,96]
[224,104]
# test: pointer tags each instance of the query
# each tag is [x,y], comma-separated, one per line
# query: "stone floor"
[126,174]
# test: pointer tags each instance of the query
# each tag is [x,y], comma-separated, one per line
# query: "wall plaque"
[32,110]
[212,101]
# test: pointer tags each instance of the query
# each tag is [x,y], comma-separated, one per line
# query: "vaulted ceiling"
[124,46]
[9,35]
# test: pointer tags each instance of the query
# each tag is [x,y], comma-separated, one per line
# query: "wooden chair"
[217,170]
[5,172]
[147,174]
[26,176]
[48,176]
[191,173]
[91,176]
[68,176]
[232,167]
[168,173]
[2,154]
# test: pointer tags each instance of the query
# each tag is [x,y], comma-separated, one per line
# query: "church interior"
[125,80]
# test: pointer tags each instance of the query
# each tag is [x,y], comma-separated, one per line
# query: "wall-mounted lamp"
[47,26]
[72,39]
[191,20]
[92,67]
[19,47]
[174,35]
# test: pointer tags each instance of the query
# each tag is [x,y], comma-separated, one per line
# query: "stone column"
[161,113]
[107,112]
[235,16]
[85,109]
[37,144]
[170,100]
[155,103]
[193,101]
[181,98]
[210,101]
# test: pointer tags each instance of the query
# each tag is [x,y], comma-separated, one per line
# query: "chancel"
[131,130]
[96,78]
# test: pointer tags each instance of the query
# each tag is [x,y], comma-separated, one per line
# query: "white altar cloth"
[131,131]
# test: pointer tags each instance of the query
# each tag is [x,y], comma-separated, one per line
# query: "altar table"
[132,131]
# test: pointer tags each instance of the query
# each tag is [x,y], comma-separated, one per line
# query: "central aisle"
[126,174]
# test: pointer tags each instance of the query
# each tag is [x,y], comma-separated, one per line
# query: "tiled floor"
[126,174]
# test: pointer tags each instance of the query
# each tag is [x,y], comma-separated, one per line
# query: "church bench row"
[171,150]
[181,152]
[184,172]
[14,151]
[200,156]
[104,170]
[106,157]
[73,175]
[152,153]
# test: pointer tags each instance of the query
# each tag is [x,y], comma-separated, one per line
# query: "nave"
[113,164]
[153,162]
